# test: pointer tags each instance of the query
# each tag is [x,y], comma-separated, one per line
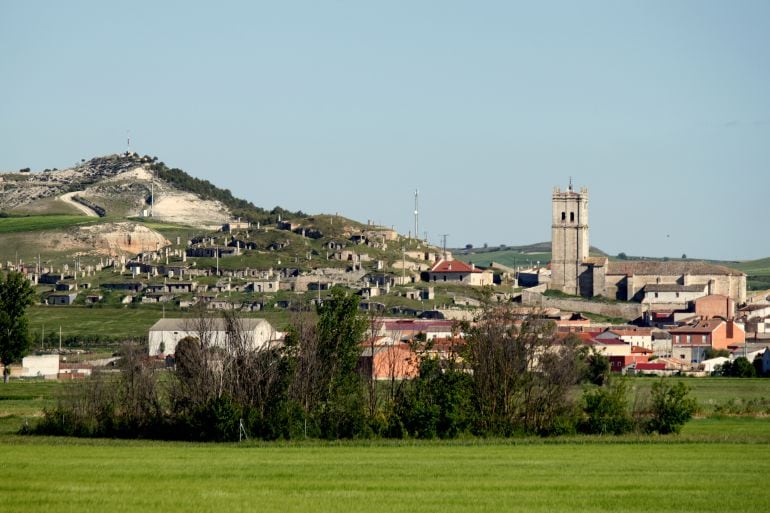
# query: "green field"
[48,222]
[716,464]
[531,476]
[115,322]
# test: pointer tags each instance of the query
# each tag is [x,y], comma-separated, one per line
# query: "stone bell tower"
[569,238]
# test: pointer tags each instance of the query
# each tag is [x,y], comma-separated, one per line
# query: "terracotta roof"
[453,266]
[670,268]
[706,326]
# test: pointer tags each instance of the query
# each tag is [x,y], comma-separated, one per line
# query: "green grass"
[20,400]
[697,471]
[115,322]
[75,476]
[47,222]
[510,258]
[84,321]
[712,392]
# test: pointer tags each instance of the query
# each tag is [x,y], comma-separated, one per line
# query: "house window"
[677,294]
[689,339]
[571,217]
[656,294]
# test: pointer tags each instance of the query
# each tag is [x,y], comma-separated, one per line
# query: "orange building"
[715,305]
[712,333]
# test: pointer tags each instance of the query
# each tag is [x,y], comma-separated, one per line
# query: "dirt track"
[67,198]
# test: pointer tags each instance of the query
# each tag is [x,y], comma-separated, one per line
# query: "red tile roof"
[650,366]
[453,266]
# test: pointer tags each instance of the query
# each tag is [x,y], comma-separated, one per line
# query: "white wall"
[46,365]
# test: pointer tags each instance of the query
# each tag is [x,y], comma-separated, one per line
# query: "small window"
[563,216]
[571,217]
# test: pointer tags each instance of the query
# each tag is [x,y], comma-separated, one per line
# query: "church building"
[574,272]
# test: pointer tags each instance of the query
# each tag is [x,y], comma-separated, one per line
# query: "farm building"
[166,333]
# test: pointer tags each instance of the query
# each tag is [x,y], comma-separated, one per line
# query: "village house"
[455,271]
[632,335]
[270,285]
[672,296]
[637,355]
[690,342]
[384,359]
[62,298]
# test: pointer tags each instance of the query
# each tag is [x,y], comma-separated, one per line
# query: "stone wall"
[624,310]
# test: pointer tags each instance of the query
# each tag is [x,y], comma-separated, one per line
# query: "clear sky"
[660,108]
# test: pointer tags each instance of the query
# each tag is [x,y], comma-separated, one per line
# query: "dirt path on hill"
[67,198]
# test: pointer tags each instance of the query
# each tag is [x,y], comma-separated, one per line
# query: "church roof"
[670,268]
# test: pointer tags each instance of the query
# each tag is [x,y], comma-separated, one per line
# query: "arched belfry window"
[563,216]
[571,217]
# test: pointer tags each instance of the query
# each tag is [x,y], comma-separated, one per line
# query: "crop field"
[37,223]
[699,470]
[68,475]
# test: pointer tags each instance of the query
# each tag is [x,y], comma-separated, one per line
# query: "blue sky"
[660,108]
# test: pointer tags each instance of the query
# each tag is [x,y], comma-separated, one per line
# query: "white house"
[166,333]
[641,337]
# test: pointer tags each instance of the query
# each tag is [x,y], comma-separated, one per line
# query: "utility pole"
[444,236]
[403,265]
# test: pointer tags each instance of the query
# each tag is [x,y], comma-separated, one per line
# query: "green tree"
[598,368]
[340,330]
[741,367]
[16,295]
[672,407]
[715,353]
[606,410]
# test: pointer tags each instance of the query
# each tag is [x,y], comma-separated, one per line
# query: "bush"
[671,407]
[741,367]
[606,410]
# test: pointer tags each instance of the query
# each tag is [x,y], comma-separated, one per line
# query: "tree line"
[511,377]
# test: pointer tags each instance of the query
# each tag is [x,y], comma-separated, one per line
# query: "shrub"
[671,407]
[606,410]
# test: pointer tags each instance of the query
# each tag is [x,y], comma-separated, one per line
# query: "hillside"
[99,207]
[512,256]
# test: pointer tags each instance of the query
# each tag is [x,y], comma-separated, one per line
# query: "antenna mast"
[444,236]
[128,141]
[416,215]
